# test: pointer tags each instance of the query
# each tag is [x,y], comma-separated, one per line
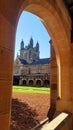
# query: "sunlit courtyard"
[29,106]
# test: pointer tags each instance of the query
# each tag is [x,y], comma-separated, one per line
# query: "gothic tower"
[29,53]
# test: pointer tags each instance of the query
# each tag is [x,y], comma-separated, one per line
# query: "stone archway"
[16,81]
[30,82]
[46,83]
[55,26]
[58,26]
[38,83]
[24,82]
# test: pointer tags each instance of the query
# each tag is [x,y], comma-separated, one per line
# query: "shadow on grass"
[22,116]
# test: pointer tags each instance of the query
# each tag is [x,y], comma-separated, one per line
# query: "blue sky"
[29,25]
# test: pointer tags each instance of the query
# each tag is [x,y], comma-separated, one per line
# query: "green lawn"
[28,89]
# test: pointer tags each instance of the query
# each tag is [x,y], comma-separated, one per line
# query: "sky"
[29,25]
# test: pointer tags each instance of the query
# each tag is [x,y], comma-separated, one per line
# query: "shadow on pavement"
[23,117]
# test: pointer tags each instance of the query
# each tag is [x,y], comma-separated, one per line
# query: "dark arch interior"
[15,80]
[38,83]
[31,83]
[24,82]
[46,83]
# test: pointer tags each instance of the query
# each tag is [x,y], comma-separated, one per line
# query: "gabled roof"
[23,61]
[40,61]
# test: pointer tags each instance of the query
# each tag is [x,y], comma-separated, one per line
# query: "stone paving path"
[28,110]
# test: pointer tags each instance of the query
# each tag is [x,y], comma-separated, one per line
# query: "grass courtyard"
[28,89]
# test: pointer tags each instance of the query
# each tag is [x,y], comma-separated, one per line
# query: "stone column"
[53,81]
[42,83]
[34,82]
[27,82]
[7,32]
[20,82]
[53,75]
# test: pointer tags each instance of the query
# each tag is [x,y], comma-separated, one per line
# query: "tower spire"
[31,42]
[37,46]
[22,45]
